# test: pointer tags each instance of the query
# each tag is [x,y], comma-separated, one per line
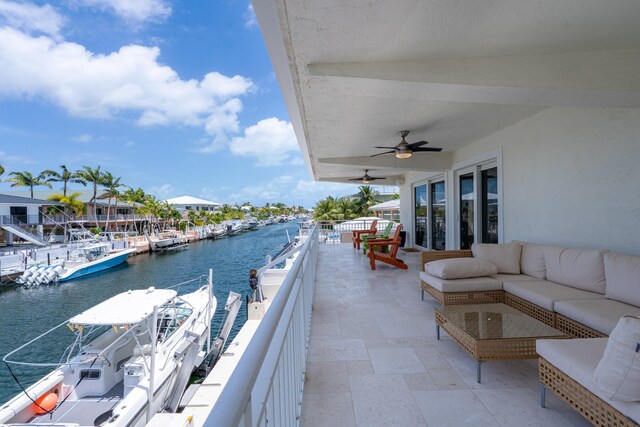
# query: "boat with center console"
[81,261]
[130,357]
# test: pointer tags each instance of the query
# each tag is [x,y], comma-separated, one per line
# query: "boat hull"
[93,267]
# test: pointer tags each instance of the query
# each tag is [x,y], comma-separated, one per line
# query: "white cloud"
[6,158]
[134,11]
[250,19]
[270,141]
[84,138]
[31,18]
[163,191]
[130,80]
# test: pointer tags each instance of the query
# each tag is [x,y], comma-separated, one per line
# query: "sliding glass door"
[420,215]
[489,218]
[438,216]
[478,205]
[467,207]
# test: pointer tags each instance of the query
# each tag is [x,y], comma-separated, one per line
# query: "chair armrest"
[382,242]
[428,256]
[358,233]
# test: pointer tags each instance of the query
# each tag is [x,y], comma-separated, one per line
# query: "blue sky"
[178,98]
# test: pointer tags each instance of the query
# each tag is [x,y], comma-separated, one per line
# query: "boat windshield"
[170,319]
[95,252]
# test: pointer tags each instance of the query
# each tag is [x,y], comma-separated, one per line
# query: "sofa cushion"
[601,315]
[506,256]
[462,285]
[618,373]
[578,359]
[532,261]
[544,293]
[578,268]
[513,278]
[460,268]
[623,277]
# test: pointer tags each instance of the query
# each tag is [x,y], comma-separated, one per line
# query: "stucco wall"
[571,176]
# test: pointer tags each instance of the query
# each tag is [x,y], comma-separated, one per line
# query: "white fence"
[266,386]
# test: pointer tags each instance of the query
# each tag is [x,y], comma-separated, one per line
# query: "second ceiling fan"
[404,150]
[366,178]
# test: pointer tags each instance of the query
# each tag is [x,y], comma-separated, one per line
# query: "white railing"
[266,385]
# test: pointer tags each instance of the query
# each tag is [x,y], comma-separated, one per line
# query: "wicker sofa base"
[450,298]
[578,330]
[538,313]
[588,404]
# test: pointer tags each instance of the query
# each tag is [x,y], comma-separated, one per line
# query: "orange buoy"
[46,403]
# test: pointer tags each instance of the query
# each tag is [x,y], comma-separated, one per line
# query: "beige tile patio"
[374,360]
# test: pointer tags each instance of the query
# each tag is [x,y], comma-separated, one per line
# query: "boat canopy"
[127,308]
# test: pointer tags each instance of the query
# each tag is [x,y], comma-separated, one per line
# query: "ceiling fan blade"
[373,178]
[417,144]
[386,152]
[388,148]
[434,149]
[355,179]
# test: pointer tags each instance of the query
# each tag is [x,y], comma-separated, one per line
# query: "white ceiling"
[355,72]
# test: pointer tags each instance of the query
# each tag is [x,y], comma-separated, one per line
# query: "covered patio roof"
[353,74]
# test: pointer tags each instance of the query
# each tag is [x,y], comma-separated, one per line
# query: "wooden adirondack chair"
[374,253]
[367,237]
[357,234]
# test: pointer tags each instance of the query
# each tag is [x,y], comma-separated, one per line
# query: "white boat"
[165,241]
[235,227]
[131,357]
[83,260]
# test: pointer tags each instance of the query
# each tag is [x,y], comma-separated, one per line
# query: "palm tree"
[111,186]
[65,177]
[135,198]
[325,209]
[25,179]
[365,198]
[71,201]
[94,176]
[345,208]
[1,170]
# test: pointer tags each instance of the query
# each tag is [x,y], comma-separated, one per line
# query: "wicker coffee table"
[493,331]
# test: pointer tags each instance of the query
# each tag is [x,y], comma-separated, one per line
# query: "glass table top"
[496,321]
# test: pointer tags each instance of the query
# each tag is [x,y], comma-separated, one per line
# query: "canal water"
[26,313]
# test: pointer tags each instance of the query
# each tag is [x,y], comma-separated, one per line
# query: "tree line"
[347,207]
[107,186]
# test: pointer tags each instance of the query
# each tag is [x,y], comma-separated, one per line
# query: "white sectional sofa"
[582,292]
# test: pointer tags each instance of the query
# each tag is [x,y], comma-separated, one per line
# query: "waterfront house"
[187,203]
[19,213]
[387,210]
[120,215]
[536,106]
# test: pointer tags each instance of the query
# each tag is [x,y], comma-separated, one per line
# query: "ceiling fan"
[405,150]
[365,179]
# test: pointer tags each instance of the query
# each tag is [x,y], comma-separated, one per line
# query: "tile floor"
[374,359]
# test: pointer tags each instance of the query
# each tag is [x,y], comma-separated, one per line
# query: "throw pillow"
[618,373]
[506,256]
[460,268]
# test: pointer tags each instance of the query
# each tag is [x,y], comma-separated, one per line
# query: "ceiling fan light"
[403,154]
[365,181]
